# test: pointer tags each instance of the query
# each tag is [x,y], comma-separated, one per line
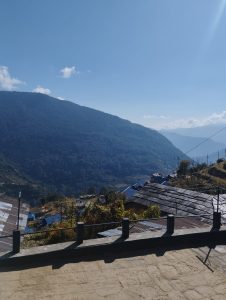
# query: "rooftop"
[8,219]
[156,225]
[174,200]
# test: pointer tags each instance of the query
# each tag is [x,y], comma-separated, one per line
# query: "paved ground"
[173,275]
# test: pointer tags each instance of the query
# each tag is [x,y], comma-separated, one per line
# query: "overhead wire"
[205,140]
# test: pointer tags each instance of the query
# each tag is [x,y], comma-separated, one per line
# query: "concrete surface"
[178,274]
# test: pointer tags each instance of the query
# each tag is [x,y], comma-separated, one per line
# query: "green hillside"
[9,175]
[202,178]
[69,148]
[12,181]
[216,173]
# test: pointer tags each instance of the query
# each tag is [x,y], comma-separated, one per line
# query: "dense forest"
[68,148]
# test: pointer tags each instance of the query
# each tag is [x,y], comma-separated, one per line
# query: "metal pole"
[218,198]
[16,241]
[125,228]
[216,220]
[170,224]
[72,213]
[18,211]
[61,213]
[80,232]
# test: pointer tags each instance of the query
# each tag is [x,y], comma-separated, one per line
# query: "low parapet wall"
[180,239]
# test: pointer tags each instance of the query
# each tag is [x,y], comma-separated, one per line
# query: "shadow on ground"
[60,261]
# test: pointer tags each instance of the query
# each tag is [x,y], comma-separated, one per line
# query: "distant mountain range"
[193,141]
[69,148]
[188,144]
[204,131]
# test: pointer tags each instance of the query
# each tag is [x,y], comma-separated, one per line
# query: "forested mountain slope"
[70,147]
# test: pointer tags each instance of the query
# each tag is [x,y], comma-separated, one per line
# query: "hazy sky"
[160,63]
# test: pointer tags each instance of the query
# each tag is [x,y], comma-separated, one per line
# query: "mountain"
[186,143]
[9,175]
[69,148]
[204,131]
[12,181]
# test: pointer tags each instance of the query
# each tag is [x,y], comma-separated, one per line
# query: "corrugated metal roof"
[175,200]
[51,219]
[129,192]
[8,219]
[156,224]
[111,232]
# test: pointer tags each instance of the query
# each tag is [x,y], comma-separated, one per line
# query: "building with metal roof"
[156,225]
[52,219]
[8,219]
[173,200]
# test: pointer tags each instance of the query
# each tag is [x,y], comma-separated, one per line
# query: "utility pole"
[178,162]
[207,159]
[72,213]
[18,210]
[218,198]
[61,213]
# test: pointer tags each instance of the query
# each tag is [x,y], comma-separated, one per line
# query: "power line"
[205,140]
[198,171]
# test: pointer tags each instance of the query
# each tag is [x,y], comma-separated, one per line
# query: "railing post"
[16,241]
[216,220]
[170,224]
[125,228]
[80,232]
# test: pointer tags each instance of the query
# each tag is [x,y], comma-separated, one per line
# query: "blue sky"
[160,63]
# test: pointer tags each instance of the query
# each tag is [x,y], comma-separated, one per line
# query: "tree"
[103,191]
[96,213]
[117,210]
[220,160]
[153,211]
[183,167]
[111,197]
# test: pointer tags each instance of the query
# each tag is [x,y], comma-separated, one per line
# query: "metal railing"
[6,236]
[79,234]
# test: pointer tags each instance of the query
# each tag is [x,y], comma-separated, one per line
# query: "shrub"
[152,211]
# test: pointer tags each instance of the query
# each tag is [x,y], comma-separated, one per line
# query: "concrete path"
[174,275]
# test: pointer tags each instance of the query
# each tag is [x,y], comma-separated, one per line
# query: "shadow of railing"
[117,247]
